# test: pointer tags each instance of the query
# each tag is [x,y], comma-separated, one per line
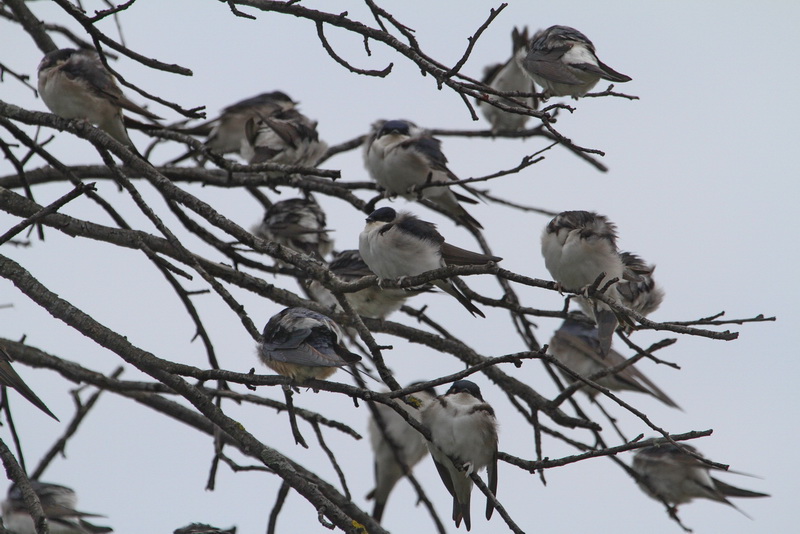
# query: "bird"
[509,77]
[74,84]
[225,133]
[563,61]
[302,344]
[576,345]
[58,504]
[638,290]
[579,246]
[287,137]
[202,528]
[671,474]
[404,444]
[396,245]
[10,378]
[463,427]
[402,156]
[373,302]
[297,223]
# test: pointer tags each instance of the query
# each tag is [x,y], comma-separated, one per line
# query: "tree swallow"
[678,478]
[303,344]
[579,246]
[576,344]
[406,443]
[509,77]
[287,137]
[563,61]
[74,84]
[463,427]
[58,503]
[638,291]
[299,224]
[10,378]
[401,156]
[372,302]
[396,245]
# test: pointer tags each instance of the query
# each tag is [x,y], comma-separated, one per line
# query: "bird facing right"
[397,245]
[678,478]
[563,61]
[463,427]
[58,504]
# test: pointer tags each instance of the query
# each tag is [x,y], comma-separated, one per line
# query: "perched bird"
[579,246]
[638,291]
[372,302]
[10,378]
[287,137]
[58,504]
[401,156]
[576,344]
[297,223]
[74,84]
[404,448]
[563,61]
[202,528]
[396,245]
[509,77]
[303,345]
[463,427]
[677,477]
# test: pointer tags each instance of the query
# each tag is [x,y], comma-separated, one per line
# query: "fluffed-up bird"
[404,448]
[397,245]
[579,246]
[401,156]
[74,84]
[297,223]
[638,290]
[10,378]
[678,477]
[58,504]
[463,427]
[563,61]
[302,344]
[576,344]
[373,302]
[509,77]
[287,137]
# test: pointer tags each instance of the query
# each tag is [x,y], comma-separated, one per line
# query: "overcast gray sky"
[703,182]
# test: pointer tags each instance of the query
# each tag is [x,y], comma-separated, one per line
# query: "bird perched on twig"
[302,344]
[677,477]
[404,448]
[225,134]
[297,223]
[401,157]
[373,302]
[287,137]
[509,77]
[58,504]
[576,344]
[397,245]
[10,378]
[74,84]
[563,61]
[638,290]
[463,427]
[578,247]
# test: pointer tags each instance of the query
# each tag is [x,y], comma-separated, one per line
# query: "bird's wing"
[491,473]
[10,378]
[453,255]
[548,64]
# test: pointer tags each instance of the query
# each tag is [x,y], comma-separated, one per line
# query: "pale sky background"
[703,182]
